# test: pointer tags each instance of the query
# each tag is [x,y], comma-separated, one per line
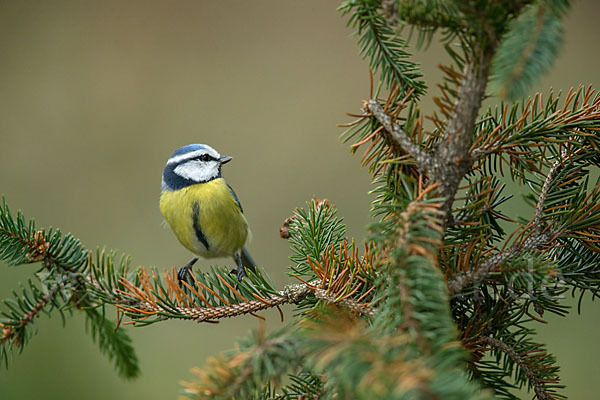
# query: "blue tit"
[202,210]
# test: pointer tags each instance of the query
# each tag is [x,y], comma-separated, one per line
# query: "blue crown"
[189,148]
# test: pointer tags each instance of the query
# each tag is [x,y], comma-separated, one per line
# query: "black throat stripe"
[197,229]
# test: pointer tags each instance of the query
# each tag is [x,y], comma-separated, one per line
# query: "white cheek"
[197,171]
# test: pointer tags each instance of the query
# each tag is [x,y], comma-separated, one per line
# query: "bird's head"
[191,164]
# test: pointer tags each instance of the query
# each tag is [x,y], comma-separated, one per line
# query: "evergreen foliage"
[443,299]
[63,287]
[527,50]
[378,43]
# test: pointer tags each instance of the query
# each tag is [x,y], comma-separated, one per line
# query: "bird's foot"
[185,272]
[239,272]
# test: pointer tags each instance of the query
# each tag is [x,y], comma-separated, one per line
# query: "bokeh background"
[94,97]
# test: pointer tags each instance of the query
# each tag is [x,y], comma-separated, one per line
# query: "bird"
[202,210]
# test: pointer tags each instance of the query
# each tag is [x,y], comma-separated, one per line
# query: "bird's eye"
[205,157]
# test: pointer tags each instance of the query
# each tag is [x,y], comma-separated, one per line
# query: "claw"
[239,273]
[185,272]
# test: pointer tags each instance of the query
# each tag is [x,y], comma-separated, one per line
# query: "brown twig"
[146,305]
[9,332]
[539,208]
[452,158]
[492,264]
[400,137]
[537,240]
[538,385]
[203,314]
[354,306]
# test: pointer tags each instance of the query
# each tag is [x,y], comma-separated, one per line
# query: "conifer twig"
[266,358]
[477,273]
[9,331]
[291,294]
[399,136]
[139,304]
[452,159]
[539,208]
[452,156]
[354,306]
[538,385]
[29,317]
[534,242]
[482,152]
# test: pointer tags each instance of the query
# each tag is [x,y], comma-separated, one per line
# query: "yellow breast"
[205,211]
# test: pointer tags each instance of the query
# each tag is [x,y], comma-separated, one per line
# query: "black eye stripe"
[205,157]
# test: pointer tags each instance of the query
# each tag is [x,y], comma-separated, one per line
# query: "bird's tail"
[247,260]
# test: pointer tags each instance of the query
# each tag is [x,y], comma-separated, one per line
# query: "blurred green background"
[94,97]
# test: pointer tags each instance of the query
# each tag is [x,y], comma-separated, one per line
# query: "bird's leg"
[240,272]
[185,271]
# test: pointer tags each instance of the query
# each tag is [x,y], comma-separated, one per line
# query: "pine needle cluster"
[444,298]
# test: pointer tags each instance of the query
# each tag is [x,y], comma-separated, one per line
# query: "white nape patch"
[208,150]
[198,171]
[163,184]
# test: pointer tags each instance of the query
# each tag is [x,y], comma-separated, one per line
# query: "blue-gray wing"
[236,198]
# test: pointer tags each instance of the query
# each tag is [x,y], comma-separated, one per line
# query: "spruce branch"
[148,301]
[520,133]
[16,325]
[30,316]
[199,301]
[113,342]
[312,232]
[527,50]
[384,49]
[354,306]
[305,385]
[477,273]
[570,216]
[366,363]
[452,155]
[527,364]
[535,241]
[428,16]
[344,277]
[399,137]
[260,360]
[65,263]
[338,342]
[539,209]
[451,160]
[22,243]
